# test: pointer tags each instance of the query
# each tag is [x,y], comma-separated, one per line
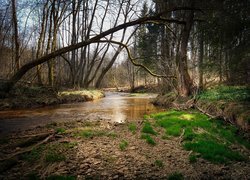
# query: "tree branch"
[133,59]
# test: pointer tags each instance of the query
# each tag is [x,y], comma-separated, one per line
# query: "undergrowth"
[226,93]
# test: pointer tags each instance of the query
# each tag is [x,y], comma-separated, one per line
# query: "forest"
[168,83]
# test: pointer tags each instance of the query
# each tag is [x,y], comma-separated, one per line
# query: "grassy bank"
[26,97]
[231,103]
[204,137]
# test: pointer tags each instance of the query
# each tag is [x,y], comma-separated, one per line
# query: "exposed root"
[29,148]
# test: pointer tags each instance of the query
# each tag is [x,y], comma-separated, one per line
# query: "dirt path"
[102,150]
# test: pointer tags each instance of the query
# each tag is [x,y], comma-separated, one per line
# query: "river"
[114,107]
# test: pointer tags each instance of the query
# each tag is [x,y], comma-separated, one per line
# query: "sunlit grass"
[209,139]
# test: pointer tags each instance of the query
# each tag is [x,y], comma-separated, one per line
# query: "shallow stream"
[115,107]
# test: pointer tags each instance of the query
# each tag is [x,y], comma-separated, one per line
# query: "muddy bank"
[103,150]
[40,96]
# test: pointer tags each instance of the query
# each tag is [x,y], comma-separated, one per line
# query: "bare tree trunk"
[201,55]
[16,36]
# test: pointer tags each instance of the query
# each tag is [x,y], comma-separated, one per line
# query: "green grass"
[227,93]
[175,176]
[91,133]
[148,139]
[192,158]
[209,139]
[56,152]
[33,155]
[123,145]
[53,156]
[159,163]
[60,130]
[148,129]
[132,127]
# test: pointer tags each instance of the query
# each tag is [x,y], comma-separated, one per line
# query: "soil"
[100,156]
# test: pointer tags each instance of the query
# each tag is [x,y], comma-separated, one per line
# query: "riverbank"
[33,97]
[230,103]
[153,148]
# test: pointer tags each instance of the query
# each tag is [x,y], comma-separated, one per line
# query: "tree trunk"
[16,36]
[184,81]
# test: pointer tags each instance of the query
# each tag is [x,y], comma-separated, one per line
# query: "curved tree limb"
[133,59]
[7,86]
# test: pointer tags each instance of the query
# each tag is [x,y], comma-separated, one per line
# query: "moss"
[209,138]
[148,139]
[132,127]
[192,158]
[123,145]
[147,128]
[213,151]
[159,163]
[60,130]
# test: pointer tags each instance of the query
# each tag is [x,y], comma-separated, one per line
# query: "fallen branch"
[28,149]
[181,136]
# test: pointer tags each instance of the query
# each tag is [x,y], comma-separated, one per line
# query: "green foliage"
[60,130]
[52,156]
[226,93]
[147,128]
[159,163]
[192,158]
[132,127]
[123,145]
[175,176]
[91,133]
[57,177]
[33,155]
[209,138]
[148,139]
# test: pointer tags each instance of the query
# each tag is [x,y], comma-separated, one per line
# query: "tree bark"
[184,81]
[16,36]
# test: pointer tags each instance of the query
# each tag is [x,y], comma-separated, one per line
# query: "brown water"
[115,107]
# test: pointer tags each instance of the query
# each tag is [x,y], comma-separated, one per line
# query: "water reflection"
[116,107]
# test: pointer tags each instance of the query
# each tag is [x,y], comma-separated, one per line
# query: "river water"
[115,107]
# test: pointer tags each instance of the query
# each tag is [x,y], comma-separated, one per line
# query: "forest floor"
[167,145]
[32,97]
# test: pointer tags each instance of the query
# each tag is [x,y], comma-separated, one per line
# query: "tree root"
[28,149]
